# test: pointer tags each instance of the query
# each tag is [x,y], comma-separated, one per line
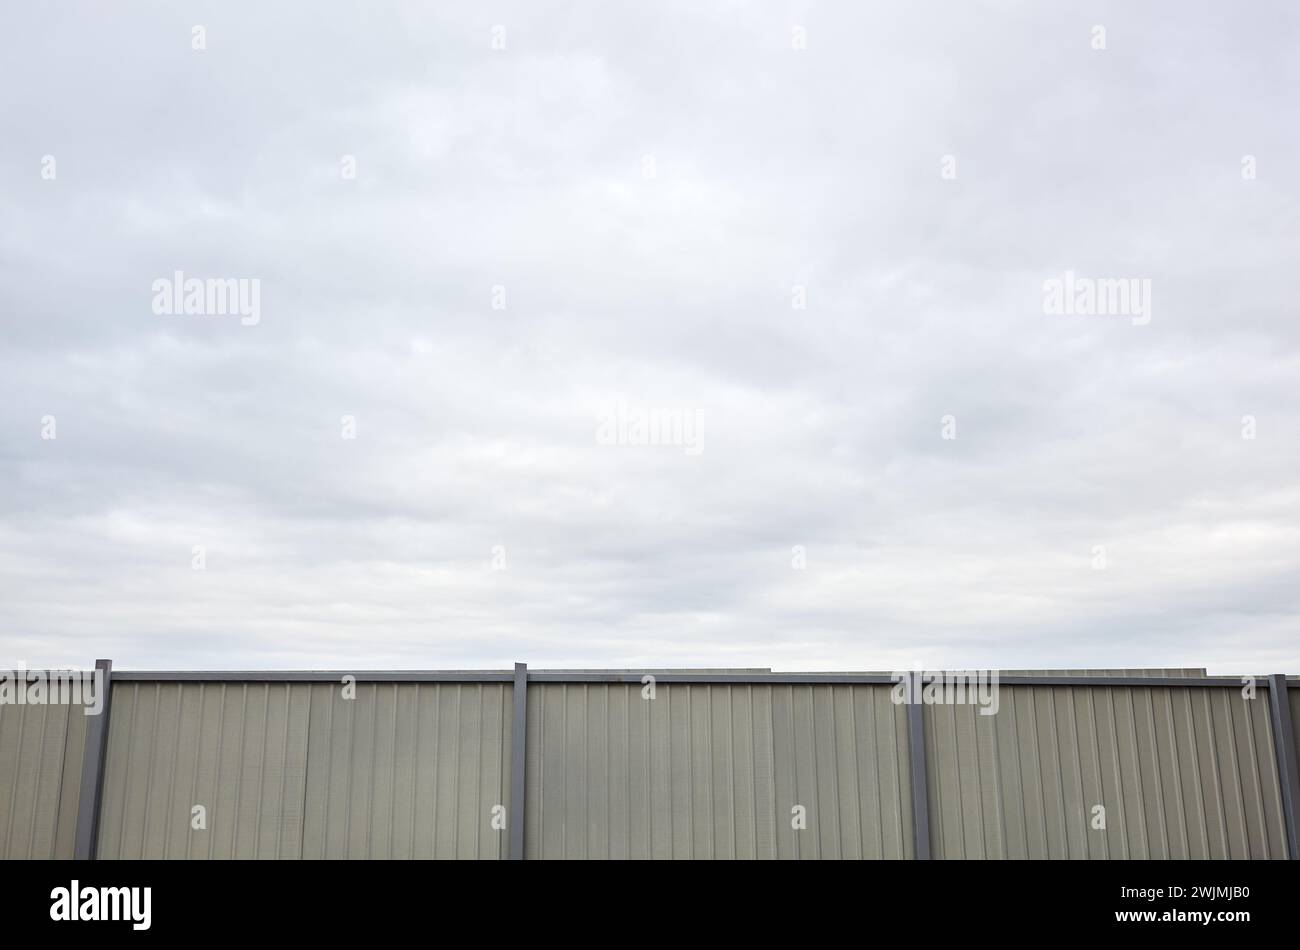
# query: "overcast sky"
[808,232]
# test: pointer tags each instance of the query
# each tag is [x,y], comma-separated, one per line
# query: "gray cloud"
[773,168]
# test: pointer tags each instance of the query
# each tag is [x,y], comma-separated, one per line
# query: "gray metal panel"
[414,765]
[41,750]
[518,762]
[1285,741]
[713,771]
[1182,772]
[1293,694]
[293,769]
[408,771]
[236,750]
[919,777]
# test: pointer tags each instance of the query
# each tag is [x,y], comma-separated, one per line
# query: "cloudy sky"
[496,235]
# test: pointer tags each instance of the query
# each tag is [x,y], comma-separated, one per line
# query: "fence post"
[92,770]
[1288,771]
[518,747]
[920,784]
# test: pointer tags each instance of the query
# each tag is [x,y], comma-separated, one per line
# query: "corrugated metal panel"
[237,750]
[713,771]
[408,771]
[1293,694]
[289,770]
[1181,772]
[41,750]
[292,769]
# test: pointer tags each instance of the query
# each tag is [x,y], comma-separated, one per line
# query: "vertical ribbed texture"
[408,771]
[238,750]
[288,770]
[41,748]
[1181,772]
[713,771]
[702,771]
[1293,694]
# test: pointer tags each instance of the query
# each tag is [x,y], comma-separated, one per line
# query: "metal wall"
[41,750]
[1182,772]
[1293,692]
[419,765]
[289,770]
[713,771]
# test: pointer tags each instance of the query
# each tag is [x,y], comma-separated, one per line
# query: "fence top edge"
[540,676]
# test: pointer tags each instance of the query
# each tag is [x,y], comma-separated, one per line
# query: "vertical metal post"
[518,747]
[92,770]
[920,783]
[1288,770]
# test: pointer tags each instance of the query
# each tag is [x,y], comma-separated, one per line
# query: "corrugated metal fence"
[294,770]
[625,764]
